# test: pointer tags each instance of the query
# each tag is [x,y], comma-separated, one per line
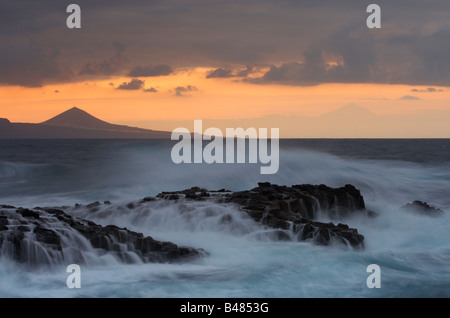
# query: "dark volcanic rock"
[28,213]
[3,223]
[423,208]
[51,236]
[5,206]
[296,207]
[194,193]
[48,235]
[299,205]
[305,200]
[148,199]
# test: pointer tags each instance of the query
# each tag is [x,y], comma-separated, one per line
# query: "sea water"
[245,259]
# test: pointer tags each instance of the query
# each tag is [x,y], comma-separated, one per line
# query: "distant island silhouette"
[75,123]
[339,123]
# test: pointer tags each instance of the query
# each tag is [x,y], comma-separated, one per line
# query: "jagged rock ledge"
[295,207]
[422,208]
[48,235]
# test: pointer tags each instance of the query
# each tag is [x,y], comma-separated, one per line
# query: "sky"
[155,64]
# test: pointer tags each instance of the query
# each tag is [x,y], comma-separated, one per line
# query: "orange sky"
[217,98]
[232,60]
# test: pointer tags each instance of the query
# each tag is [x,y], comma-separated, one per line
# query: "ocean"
[244,260]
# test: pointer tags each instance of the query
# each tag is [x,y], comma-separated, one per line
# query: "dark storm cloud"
[246,72]
[425,57]
[427,90]
[31,65]
[356,53]
[150,90]
[182,90]
[220,73]
[34,16]
[111,66]
[133,85]
[151,70]
[434,54]
[296,38]
[230,73]
[424,60]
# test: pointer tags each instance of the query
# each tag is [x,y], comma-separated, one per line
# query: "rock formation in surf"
[50,236]
[422,208]
[295,208]
[54,236]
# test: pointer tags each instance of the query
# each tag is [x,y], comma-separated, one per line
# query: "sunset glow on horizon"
[154,63]
[220,98]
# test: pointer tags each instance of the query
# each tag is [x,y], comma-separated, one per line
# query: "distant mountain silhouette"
[349,111]
[76,123]
[349,121]
[77,118]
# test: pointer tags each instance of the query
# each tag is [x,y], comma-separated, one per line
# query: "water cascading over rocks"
[294,209]
[52,236]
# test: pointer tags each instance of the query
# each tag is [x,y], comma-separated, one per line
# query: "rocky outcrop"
[295,208]
[422,208]
[306,201]
[45,235]
[53,236]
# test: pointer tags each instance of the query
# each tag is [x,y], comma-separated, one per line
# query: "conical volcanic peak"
[350,110]
[78,118]
[75,123]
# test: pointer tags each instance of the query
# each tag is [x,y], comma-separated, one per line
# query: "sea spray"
[413,251]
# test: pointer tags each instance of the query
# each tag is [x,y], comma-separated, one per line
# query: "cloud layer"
[183,91]
[133,85]
[151,70]
[301,42]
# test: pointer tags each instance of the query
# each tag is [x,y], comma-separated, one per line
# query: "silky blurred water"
[413,251]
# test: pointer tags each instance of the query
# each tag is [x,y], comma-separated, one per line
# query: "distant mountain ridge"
[349,121]
[73,124]
[349,111]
